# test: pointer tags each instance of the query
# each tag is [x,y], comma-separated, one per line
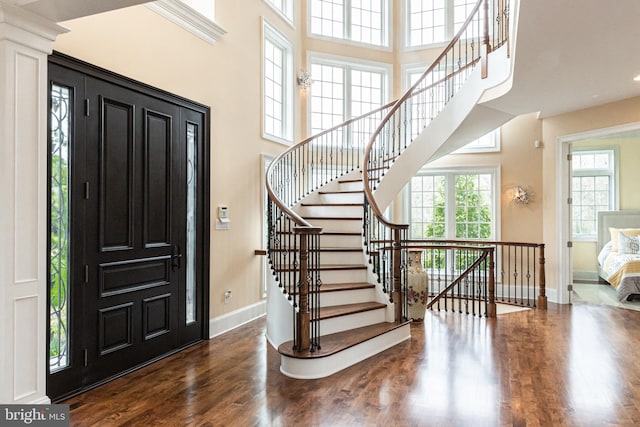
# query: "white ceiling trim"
[189,19]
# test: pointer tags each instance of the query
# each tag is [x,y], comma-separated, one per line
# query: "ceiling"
[571,55]
[568,54]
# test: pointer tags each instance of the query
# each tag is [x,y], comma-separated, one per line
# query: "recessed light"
[637,78]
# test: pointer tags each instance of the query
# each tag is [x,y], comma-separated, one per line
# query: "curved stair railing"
[419,105]
[293,243]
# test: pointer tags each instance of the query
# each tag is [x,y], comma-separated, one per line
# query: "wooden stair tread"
[341,192]
[332,267]
[338,287]
[322,249]
[334,218]
[334,343]
[344,181]
[346,309]
[333,204]
[329,233]
[335,287]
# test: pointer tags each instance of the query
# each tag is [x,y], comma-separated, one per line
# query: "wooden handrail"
[365,175]
[462,275]
[286,209]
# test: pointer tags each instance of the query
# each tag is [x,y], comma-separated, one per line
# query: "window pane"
[474,216]
[591,189]
[428,208]
[327,18]
[60,199]
[276,85]
[192,141]
[327,102]
[367,21]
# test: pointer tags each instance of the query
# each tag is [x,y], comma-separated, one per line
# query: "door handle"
[176,257]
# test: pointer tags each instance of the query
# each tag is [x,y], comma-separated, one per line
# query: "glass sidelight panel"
[59,233]
[192,141]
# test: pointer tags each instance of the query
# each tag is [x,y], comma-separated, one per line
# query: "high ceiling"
[568,54]
[571,55]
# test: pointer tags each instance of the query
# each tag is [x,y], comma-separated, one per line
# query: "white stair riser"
[343,276]
[331,211]
[351,186]
[351,321]
[343,198]
[328,241]
[342,258]
[352,296]
[337,226]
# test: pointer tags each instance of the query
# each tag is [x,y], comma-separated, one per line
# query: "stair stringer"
[461,121]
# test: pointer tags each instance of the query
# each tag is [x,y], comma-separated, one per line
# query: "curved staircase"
[335,297]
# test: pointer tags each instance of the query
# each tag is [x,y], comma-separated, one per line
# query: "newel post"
[485,46]
[491,305]
[303,317]
[396,294]
[542,298]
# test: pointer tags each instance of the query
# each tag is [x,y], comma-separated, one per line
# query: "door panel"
[136,167]
[115,142]
[138,263]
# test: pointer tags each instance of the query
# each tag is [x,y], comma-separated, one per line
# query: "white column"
[25,41]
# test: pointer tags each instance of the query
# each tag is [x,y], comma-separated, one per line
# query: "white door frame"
[563,209]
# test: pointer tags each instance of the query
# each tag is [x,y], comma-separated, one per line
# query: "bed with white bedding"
[618,249]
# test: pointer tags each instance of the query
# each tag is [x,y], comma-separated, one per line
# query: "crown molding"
[189,19]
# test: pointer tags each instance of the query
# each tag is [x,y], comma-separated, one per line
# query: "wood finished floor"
[570,366]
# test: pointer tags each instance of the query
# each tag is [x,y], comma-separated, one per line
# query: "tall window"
[344,90]
[284,8]
[435,21]
[453,205]
[277,90]
[363,21]
[593,188]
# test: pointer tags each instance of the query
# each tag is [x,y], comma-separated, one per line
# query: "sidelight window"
[59,202]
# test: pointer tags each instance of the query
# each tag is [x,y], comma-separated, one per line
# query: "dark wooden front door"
[137,201]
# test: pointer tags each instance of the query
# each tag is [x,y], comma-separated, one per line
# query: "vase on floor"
[416,286]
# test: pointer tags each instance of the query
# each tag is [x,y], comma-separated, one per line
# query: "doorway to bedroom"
[602,194]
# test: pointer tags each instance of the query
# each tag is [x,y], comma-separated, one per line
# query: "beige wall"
[140,44]
[520,164]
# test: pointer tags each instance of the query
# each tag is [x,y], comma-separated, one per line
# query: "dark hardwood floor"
[572,365]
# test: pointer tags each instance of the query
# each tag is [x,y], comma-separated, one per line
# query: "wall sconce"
[520,195]
[304,79]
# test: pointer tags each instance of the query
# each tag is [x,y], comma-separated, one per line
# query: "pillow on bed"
[628,244]
[616,231]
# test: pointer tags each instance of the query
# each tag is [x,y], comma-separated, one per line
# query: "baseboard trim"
[221,324]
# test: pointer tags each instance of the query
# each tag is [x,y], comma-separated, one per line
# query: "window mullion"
[450,206]
[347,19]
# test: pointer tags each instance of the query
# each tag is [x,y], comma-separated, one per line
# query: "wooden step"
[346,181]
[328,267]
[333,204]
[333,218]
[319,250]
[337,287]
[334,343]
[346,309]
[342,192]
